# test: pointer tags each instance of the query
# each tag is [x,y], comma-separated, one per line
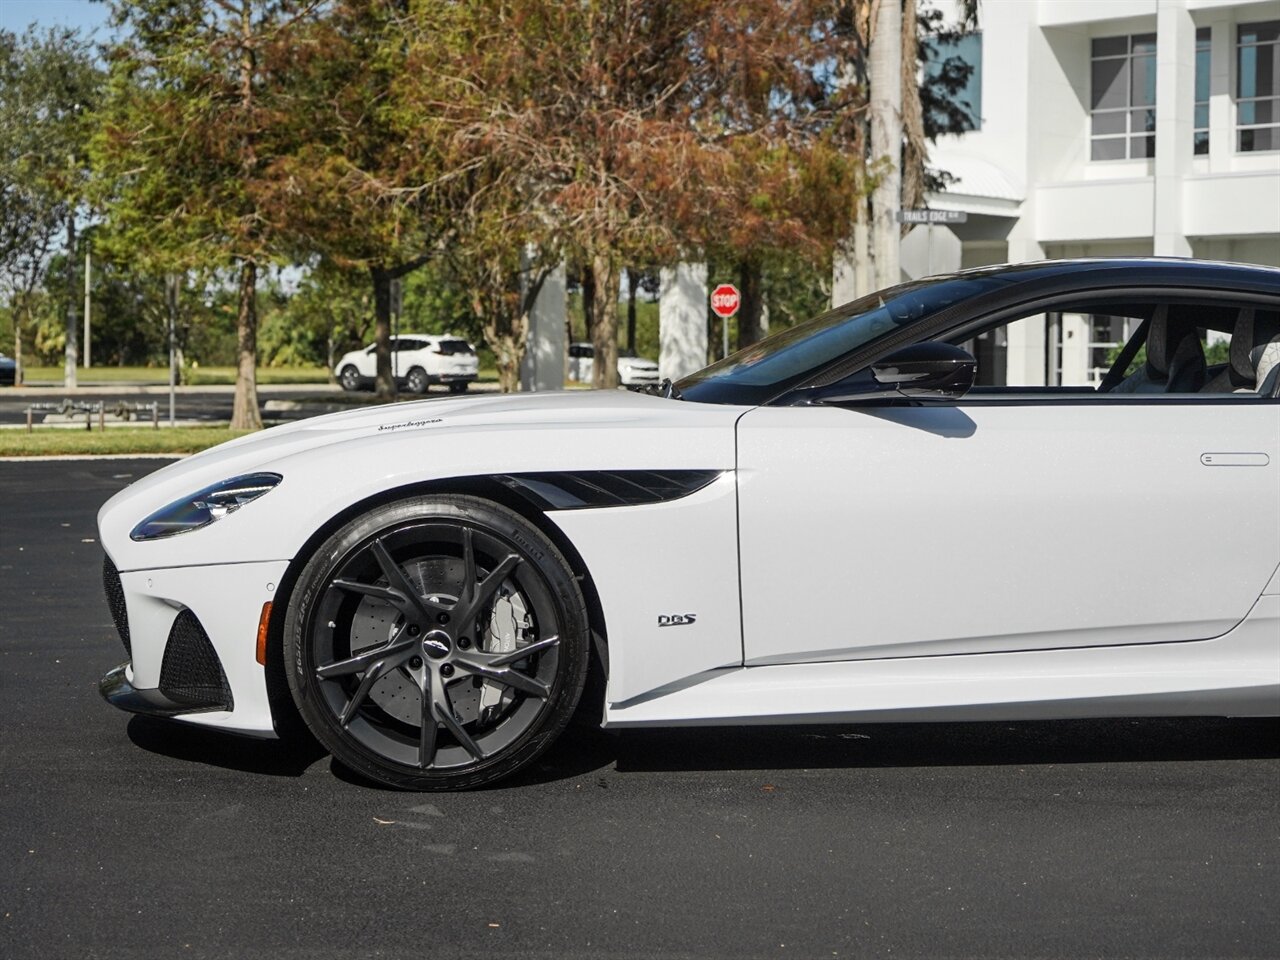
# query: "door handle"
[1234,459]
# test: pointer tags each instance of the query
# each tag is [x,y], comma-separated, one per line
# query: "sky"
[16,15]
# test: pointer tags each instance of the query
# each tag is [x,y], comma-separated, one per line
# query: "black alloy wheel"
[437,643]
[349,378]
[416,381]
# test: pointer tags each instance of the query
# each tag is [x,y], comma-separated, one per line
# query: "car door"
[1003,523]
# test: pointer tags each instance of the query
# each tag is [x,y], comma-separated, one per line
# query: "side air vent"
[583,489]
[115,601]
[191,673]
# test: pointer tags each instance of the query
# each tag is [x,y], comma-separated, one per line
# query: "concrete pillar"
[544,355]
[1175,95]
[1025,352]
[682,320]
[929,250]
[1075,350]
[1222,52]
[1028,347]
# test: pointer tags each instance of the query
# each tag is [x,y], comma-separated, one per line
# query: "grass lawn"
[115,440]
[200,376]
[160,375]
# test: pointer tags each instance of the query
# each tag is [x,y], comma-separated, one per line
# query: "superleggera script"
[407,424]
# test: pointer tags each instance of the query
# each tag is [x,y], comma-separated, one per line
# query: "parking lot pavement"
[123,837]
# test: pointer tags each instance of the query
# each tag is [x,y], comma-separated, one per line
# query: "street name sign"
[931,216]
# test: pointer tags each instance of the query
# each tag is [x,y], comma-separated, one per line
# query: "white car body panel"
[664,579]
[228,601]
[1235,675]
[333,461]
[1148,544]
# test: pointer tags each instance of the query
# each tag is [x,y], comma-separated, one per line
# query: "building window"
[953,82]
[1258,86]
[1201,121]
[1123,97]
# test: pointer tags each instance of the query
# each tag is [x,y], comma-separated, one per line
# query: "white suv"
[417,361]
[633,371]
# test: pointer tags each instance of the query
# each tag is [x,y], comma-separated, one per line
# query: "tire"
[458,386]
[416,381]
[381,661]
[349,378]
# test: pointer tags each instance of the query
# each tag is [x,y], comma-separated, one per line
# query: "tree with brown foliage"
[190,127]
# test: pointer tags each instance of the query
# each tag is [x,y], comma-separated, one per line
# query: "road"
[123,837]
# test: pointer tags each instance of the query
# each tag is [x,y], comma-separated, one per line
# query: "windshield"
[758,373]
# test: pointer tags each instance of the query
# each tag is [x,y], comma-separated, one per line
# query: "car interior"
[1169,352]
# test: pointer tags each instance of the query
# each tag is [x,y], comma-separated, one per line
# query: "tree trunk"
[70,352]
[588,299]
[633,283]
[863,269]
[603,320]
[915,151]
[385,383]
[751,287]
[885,77]
[244,411]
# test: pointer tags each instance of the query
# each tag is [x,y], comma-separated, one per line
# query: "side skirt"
[1237,674]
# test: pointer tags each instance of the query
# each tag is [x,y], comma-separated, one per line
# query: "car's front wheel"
[436,643]
[349,378]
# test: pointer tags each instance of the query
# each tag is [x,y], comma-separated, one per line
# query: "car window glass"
[757,372]
[454,348]
[1075,347]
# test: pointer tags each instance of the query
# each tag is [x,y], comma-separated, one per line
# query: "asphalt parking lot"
[127,837]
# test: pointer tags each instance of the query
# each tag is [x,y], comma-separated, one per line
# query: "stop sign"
[725,300]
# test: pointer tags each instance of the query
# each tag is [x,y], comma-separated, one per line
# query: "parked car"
[633,371]
[848,521]
[8,371]
[418,361]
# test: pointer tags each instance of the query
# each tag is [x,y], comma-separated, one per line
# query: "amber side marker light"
[264,624]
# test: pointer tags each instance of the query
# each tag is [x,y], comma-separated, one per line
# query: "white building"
[1110,128]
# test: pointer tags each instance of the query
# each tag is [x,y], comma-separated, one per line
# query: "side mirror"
[922,371]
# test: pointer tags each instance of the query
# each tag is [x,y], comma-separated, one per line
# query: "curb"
[48,458]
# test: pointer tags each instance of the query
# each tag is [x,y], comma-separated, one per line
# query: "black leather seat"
[1175,359]
[1254,339]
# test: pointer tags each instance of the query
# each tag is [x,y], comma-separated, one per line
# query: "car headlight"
[205,506]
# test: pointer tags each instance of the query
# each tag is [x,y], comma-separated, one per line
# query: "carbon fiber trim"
[588,489]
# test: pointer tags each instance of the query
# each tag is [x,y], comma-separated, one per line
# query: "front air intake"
[191,673]
[115,601]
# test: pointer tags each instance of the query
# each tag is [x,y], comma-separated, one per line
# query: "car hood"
[331,462]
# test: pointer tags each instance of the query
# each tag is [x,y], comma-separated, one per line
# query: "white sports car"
[853,520]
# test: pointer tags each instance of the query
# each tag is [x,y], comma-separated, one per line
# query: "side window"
[1063,348]
[1209,347]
